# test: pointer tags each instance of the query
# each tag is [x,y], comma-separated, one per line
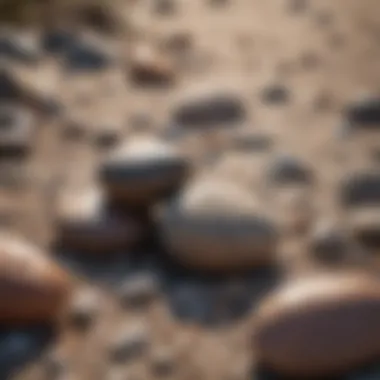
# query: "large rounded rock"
[33,288]
[320,326]
[217,225]
[85,224]
[143,171]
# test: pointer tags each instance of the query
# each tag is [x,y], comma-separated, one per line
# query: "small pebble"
[139,290]
[148,68]
[286,169]
[276,94]
[129,343]
[298,6]
[364,112]
[84,309]
[16,130]
[58,40]
[210,108]
[163,362]
[361,189]
[328,243]
[165,7]
[87,55]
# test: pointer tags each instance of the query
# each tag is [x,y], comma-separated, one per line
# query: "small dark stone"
[298,6]
[329,244]
[107,138]
[275,94]
[84,55]
[287,170]
[252,142]
[163,362]
[364,112]
[360,189]
[310,60]
[324,18]
[16,130]
[219,3]
[58,40]
[129,344]
[164,7]
[210,111]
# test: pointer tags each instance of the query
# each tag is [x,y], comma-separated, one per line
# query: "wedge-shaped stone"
[320,326]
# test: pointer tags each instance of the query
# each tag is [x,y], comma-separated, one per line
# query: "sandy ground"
[325,53]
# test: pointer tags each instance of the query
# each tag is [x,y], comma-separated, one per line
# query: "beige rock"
[217,225]
[32,287]
[142,171]
[320,326]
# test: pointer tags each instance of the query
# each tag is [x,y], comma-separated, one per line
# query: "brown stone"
[320,326]
[33,288]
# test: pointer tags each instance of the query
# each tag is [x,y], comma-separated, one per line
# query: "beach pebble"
[319,326]
[209,107]
[32,287]
[143,171]
[217,225]
[16,130]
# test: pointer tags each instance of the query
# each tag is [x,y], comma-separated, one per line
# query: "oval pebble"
[364,111]
[320,326]
[85,224]
[16,130]
[361,189]
[216,225]
[142,171]
[32,287]
[209,108]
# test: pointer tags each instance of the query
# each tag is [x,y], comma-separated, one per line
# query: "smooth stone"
[275,94]
[143,171]
[364,112]
[247,141]
[212,107]
[298,6]
[361,188]
[87,55]
[364,225]
[319,326]
[286,169]
[328,243]
[33,288]
[217,225]
[148,68]
[87,226]
[129,343]
[16,130]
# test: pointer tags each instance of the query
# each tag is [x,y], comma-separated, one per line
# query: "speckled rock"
[209,107]
[142,171]
[16,129]
[85,224]
[217,225]
[32,287]
[320,326]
